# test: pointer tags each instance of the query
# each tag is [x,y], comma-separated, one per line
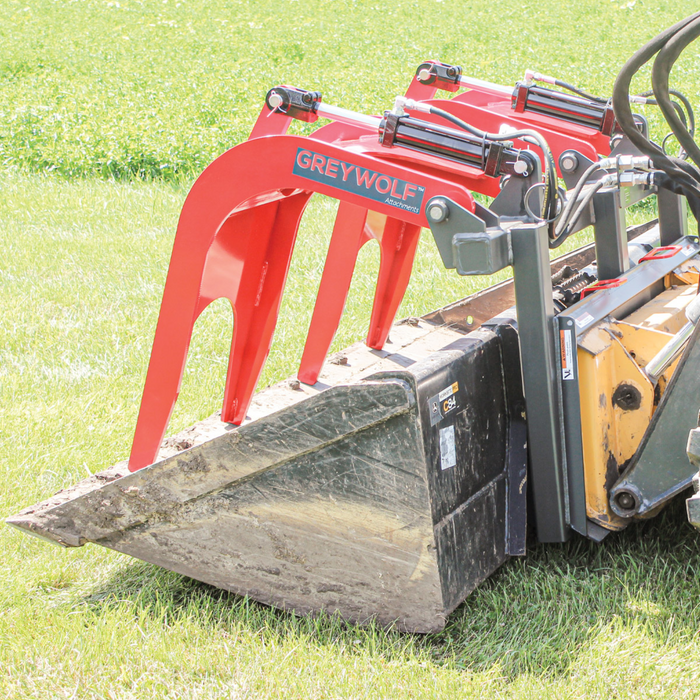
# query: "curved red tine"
[235,239]
[398,250]
[398,242]
[350,233]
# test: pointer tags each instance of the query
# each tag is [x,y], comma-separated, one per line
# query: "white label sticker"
[584,320]
[452,389]
[448,451]
[567,353]
[688,250]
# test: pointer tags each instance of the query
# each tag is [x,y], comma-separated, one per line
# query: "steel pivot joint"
[440,75]
[294,102]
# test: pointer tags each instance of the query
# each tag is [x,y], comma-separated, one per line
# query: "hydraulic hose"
[684,110]
[581,93]
[574,217]
[602,100]
[567,219]
[663,64]
[684,175]
[688,109]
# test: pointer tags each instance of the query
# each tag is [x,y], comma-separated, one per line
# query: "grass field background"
[108,110]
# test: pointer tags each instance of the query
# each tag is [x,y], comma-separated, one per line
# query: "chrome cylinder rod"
[466,82]
[347,116]
[667,355]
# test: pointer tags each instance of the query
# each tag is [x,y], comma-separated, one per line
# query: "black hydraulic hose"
[570,216]
[573,195]
[663,65]
[602,100]
[585,201]
[684,110]
[685,175]
[688,109]
[581,93]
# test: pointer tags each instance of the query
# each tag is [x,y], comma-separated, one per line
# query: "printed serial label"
[448,451]
[360,181]
[566,341]
[584,320]
[443,403]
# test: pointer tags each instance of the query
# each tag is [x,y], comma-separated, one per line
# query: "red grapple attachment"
[235,239]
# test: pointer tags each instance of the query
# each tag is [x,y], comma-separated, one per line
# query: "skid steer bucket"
[333,502]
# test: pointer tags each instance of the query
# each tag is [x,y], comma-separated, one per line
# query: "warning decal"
[566,343]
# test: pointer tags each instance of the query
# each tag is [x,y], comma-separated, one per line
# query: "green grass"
[82,274]
[158,88]
[92,92]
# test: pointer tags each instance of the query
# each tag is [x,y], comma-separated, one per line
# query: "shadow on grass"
[535,615]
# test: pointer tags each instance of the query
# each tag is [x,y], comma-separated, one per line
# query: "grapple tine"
[255,322]
[398,250]
[350,233]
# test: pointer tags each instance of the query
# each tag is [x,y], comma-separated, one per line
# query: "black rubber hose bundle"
[684,178]
[663,64]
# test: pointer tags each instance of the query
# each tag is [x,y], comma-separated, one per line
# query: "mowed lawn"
[108,110]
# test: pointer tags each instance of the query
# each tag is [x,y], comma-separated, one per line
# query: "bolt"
[625,500]
[568,162]
[438,210]
[451,72]
[423,75]
[306,98]
[520,167]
